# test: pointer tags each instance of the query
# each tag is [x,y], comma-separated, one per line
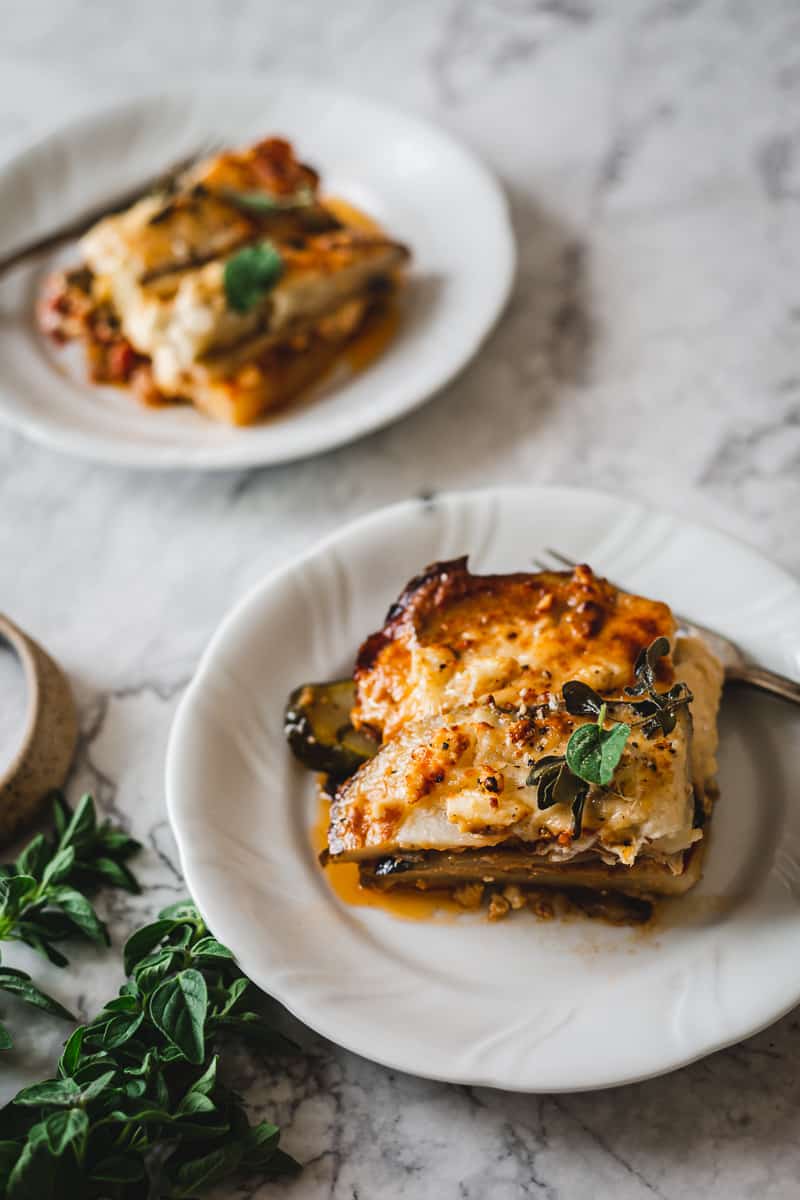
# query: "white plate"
[424,187]
[524,1004]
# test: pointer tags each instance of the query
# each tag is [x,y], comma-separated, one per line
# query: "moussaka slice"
[234,288]
[541,730]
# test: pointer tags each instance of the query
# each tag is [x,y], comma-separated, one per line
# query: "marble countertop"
[651,150]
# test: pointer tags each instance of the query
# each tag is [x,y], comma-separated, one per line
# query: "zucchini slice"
[318,729]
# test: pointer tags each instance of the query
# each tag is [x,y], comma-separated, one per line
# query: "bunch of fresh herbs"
[137,1109]
[44,895]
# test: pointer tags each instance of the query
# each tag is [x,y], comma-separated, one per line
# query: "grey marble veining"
[651,150]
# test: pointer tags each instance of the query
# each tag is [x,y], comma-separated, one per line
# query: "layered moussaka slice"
[534,730]
[234,289]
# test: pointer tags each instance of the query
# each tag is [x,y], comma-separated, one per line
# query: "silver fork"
[167,177]
[738,668]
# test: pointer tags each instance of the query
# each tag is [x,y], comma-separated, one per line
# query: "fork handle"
[49,242]
[765,681]
[75,229]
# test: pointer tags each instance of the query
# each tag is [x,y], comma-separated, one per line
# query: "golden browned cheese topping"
[454,638]
[464,685]
[460,780]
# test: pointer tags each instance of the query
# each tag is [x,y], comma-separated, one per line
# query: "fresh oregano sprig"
[593,752]
[137,1108]
[592,756]
[659,708]
[655,711]
[20,984]
[43,895]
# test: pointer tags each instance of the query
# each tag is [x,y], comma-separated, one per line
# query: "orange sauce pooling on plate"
[343,881]
[370,343]
[348,214]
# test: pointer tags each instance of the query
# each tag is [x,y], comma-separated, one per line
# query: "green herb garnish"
[592,756]
[659,708]
[250,274]
[581,700]
[137,1108]
[656,712]
[264,202]
[593,752]
[43,895]
[557,784]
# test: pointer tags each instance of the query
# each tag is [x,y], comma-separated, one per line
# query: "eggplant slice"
[319,732]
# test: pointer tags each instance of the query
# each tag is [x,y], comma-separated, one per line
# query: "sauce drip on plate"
[343,881]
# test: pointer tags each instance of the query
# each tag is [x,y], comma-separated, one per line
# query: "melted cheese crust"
[464,682]
[454,637]
[458,781]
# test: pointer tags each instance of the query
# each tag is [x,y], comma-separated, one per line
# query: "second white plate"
[424,187]
[525,1004]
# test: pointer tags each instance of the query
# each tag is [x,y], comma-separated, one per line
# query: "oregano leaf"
[27,990]
[210,948]
[234,994]
[181,910]
[249,274]
[121,1029]
[117,874]
[140,943]
[580,699]
[33,858]
[61,1093]
[178,1008]
[71,1054]
[68,1127]
[13,891]
[200,1173]
[593,753]
[79,911]
[33,1175]
[82,825]
[59,866]
[150,970]
[205,1083]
